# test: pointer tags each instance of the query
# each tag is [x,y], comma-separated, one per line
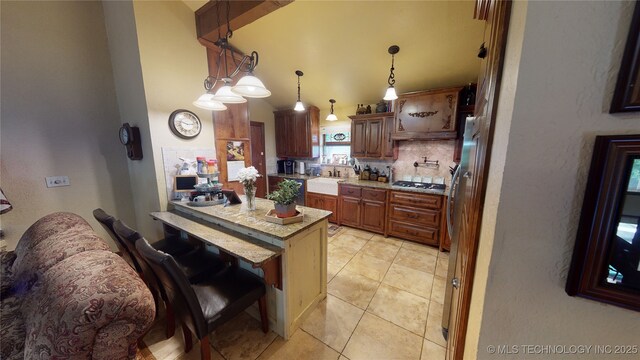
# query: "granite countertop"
[388,186]
[236,244]
[253,221]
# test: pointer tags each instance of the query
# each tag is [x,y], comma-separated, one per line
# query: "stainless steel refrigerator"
[453,211]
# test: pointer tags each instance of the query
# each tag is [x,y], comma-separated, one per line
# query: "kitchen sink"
[323,185]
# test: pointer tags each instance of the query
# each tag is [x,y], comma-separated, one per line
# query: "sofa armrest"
[85,304]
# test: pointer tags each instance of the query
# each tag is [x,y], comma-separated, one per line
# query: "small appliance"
[289,167]
[281,166]
[301,166]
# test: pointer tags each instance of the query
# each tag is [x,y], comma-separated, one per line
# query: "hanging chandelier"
[391,90]
[248,86]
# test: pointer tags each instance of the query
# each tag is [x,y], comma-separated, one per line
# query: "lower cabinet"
[324,202]
[363,208]
[415,216]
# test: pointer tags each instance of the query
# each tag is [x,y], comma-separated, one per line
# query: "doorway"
[258,158]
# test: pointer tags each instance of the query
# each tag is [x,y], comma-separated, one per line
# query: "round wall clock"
[185,124]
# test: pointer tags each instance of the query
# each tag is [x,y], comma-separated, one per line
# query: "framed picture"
[235,151]
[626,96]
[606,257]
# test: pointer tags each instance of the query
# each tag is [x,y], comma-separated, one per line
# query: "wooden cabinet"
[415,216]
[362,207]
[388,149]
[298,133]
[427,115]
[273,182]
[371,136]
[324,202]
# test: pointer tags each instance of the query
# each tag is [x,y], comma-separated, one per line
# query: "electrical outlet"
[55,181]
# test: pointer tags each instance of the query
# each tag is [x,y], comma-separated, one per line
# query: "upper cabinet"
[371,136]
[426,115]
[298,133]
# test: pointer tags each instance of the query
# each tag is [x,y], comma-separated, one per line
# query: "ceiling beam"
[241,13]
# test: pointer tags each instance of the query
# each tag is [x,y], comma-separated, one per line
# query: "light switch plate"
[55,181]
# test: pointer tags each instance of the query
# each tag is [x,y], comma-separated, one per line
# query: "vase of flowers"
[285,198]
[248,177]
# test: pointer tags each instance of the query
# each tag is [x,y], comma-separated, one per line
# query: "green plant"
[287,192]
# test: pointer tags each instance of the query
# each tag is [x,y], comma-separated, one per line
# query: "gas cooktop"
[419,185]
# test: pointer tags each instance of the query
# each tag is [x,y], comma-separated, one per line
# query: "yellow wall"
[59,115]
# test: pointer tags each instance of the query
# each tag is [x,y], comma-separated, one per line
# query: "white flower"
[248,175]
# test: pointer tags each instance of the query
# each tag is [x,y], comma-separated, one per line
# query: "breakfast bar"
[292,258]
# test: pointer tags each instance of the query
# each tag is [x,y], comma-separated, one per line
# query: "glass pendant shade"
[391,94]
[332,117]
[299,106]
[226,96]
[205,101]
[250,86]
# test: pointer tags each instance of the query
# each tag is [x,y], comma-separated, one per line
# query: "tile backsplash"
[408,153]
[412,151]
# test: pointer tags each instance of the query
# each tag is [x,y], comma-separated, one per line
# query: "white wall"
[562,81]
[59,115]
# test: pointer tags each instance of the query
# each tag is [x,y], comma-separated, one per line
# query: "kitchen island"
[292,258]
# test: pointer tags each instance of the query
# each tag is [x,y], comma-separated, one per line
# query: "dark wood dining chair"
[211,302]
[195,264]
[107,221]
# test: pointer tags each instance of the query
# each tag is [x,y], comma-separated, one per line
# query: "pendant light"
[332,116]
[250,86]
[391,91]
[206,101]
[299,106]
[226,96]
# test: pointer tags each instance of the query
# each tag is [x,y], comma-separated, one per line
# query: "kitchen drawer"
[350,191]
[374,195]
[415,215]
[421,234]
[416,199]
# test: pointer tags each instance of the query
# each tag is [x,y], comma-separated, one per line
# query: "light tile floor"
[384,301]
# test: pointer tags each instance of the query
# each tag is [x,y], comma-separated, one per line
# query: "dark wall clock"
[130,137]
[185,124]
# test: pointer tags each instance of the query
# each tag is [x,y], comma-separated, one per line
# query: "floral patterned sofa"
[65,295]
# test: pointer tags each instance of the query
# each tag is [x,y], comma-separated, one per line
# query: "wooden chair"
[195,264]
[107,221]
[205,305]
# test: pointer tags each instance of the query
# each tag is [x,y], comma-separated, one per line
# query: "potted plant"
[285,198]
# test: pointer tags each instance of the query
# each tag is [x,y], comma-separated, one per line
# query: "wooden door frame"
[264,176]
[499,11]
